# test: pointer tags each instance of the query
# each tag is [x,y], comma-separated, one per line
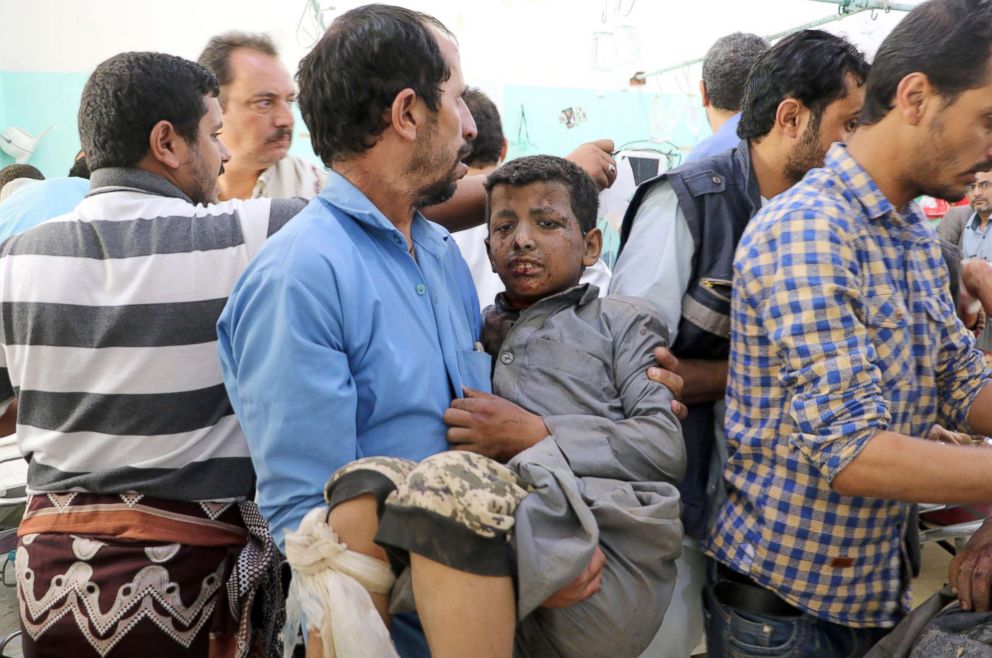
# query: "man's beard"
[443,188]
[808,153]
[936,159]
[435,193]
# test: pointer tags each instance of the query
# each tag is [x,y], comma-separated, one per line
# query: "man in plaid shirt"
[845,347]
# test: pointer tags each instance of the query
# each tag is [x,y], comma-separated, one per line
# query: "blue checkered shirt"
[843,326]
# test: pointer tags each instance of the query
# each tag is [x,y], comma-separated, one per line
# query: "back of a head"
[947,40]
[487,147]
[583,193]
[128,94]
[216,57]
[351,77]
[809,66]
[726,67]
[15,171]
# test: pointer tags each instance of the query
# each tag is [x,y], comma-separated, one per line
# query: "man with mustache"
[845,348]
[257,97]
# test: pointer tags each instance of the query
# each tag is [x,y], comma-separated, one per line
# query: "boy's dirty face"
[535,243]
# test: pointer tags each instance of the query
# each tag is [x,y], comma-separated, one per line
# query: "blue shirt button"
[421,289]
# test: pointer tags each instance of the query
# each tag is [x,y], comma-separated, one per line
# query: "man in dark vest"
[677,248]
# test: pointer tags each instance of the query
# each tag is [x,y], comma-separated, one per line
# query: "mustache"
[464,152]
[281,133]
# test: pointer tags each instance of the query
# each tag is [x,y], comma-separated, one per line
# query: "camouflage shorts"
[455,507]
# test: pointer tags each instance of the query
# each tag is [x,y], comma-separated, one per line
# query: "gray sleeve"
[951,226]
[284,210]
[656,263]
[646,446]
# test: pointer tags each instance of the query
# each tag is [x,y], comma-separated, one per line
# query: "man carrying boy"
[590,467]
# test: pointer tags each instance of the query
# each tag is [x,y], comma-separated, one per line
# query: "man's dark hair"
[487,147]
[349,80]
[947,40]
[79,168]
[726,66]
[809,66]
[131,92]
[14,171]
[582,191]
[216,57]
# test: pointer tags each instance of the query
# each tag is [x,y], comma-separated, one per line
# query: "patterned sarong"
[127,575]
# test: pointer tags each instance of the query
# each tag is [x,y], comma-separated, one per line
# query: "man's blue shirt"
[722,140]
[336,344]
[40,201]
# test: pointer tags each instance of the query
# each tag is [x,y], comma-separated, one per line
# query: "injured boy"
[574,458]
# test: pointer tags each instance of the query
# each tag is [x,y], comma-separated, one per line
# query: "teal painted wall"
[622,116]
[34,101]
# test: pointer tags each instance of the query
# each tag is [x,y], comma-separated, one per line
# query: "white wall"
[530,42]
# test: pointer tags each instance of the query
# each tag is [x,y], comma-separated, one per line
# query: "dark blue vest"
[718,196]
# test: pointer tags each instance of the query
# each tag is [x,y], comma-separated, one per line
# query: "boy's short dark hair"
[549,169]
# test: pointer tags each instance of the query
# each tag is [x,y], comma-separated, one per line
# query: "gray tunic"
[606,476]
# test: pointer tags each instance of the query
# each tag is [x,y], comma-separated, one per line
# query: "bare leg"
[463,614]
[355,522]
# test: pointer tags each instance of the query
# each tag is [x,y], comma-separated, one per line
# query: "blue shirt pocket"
[475,369]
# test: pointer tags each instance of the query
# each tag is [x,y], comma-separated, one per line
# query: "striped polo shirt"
[108,340]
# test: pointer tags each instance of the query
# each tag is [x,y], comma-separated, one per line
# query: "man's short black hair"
[349,80]
[131,92]
[582,191]
[947,40]
[487,147]
[15,171]
[726,66]
[216,57]
[809,66]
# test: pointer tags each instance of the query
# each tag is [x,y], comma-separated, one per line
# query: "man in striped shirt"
[139,474]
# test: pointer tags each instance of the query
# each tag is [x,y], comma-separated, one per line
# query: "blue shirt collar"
[973,222]
[343,194]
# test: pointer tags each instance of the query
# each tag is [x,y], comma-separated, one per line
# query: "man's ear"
[406,114]
[705,95]
[594,246]
[789,117]
[502,151]
[914,94]
[166,145]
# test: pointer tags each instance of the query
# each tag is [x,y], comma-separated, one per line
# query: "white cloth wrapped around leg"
[332,584]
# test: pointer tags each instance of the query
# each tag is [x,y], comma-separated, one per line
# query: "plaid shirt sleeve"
[809,310]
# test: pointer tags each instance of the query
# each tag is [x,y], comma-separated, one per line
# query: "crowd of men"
[219,357]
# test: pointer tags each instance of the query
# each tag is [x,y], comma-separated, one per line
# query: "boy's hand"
[582,587]
[667,375]
[491,426]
